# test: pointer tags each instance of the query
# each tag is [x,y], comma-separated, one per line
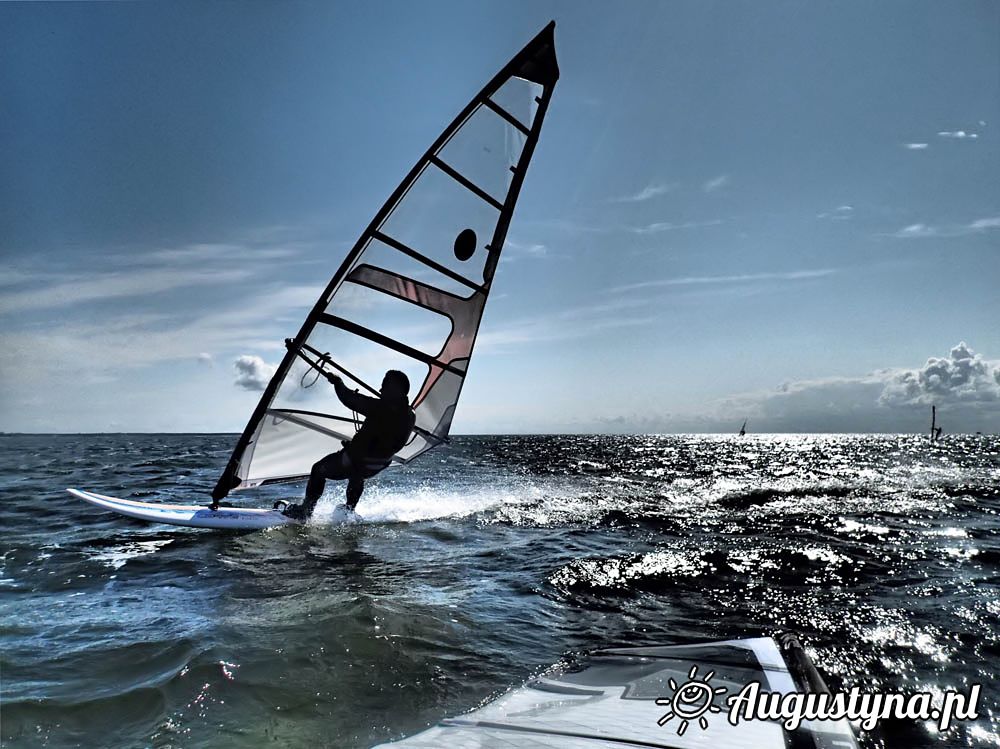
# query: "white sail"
[410,294]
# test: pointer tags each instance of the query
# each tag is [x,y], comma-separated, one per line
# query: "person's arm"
[354,401]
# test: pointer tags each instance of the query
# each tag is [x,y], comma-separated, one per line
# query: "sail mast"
[535,63]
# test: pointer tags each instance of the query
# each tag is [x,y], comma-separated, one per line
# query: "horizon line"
[539,434]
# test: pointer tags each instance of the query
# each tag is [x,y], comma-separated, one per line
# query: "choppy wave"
[475,568]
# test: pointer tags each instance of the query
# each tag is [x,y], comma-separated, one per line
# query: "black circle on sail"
[465,244]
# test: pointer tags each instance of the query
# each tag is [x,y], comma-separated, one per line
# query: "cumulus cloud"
[646,193]
[963,377]
[717,182]
[964,385]
[252,372]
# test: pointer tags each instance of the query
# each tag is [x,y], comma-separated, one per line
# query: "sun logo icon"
[691,701]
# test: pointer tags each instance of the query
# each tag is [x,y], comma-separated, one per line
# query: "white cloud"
[915,146]
[743,278]
[964,386]
[207,252]
[714,184]
[958,134]
[571,323]
[11,276]
[917,231]
[211,297]
[985,223]
[514,251]
[252,372]
[662,226]
[960,378]
[119,344]
[116,285]
[141,274]
[646,193]
[840,213]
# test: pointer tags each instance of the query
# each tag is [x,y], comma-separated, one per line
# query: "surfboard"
[671,697]
[194,516]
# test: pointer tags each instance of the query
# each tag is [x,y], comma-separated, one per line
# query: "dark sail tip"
[539,64]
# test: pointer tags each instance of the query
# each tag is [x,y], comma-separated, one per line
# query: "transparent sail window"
[367,360]
[484,150]
[381,255]
[403,321]
[434,213]
[285,447]
[518,97]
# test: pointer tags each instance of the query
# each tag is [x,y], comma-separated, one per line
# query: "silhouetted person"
[937,433]
[387,426]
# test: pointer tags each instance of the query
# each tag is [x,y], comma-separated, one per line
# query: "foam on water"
[118,556]
[425,502]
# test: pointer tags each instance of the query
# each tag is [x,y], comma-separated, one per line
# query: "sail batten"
[466,183]
[383,340]
[396,244]
[506,115]
[325,359]
[441,230]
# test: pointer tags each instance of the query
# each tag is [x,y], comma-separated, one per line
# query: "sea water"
[475,568]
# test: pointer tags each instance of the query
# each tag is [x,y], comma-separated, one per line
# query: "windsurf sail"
[410,294]
[743,429]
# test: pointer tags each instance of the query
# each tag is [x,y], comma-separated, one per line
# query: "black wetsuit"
[387,426]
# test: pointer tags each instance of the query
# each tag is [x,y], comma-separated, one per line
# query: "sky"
[786,212]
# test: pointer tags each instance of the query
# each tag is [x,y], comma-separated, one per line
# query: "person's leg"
[333,466]
[355,486]
[356,482]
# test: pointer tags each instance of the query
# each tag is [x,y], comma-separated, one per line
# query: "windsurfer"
[386,428]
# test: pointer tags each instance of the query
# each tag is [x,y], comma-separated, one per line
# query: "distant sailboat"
[935,429]
[743,429]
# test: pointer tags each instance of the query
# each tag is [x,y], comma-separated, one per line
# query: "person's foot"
[295,512]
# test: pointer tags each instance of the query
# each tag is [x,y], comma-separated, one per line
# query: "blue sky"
[787,211]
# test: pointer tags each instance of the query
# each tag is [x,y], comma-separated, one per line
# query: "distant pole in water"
[743,429]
